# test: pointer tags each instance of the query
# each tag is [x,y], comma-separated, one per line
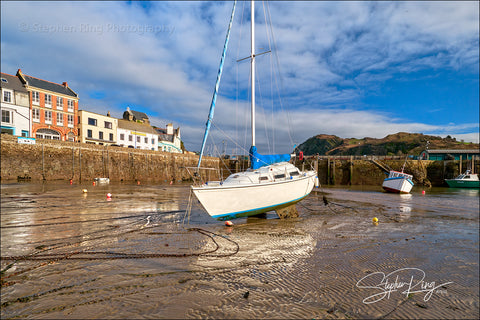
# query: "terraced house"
[134,131]
[15,107]
[169,139]
[54,108]
[96,128]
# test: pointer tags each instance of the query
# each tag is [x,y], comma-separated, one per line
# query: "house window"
[47,134]
[108,125]
[153,141]
[70,120]
[48,100]
[7,96]
[60,103]
[130,137]
[48,117]
[59,118]
[122,136]
[89,133]
[71,105]
[35,98]
[146,140]
[100,135]
[36,115]
[92,122]
[7,116]
[138,139]
[24,133]
[111,136]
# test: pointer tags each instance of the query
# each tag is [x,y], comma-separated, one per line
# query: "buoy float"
[423,191]
[109,195]
[375,219]
[84,190]
[229,223]
[93,183]
[138,182]
[71,181]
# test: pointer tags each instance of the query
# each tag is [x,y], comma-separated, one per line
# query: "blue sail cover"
[258,160]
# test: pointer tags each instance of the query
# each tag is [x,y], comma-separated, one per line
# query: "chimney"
[108,113]
[169,128]
[19,71]
[65,84]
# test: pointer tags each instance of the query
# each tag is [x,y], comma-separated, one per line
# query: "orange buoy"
[229,223]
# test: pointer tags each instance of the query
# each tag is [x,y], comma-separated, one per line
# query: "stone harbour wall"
[61,160]
[347,171]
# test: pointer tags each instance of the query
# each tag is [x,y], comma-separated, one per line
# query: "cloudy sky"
[352,69]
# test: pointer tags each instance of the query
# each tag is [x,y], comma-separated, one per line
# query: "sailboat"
[271,182]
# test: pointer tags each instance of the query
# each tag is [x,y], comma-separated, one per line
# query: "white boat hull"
[397,185]
[229,202]
[102,180]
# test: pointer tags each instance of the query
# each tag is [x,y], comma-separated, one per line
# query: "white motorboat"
[102,180]
[398,182]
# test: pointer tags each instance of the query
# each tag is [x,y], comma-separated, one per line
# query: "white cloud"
[164,59]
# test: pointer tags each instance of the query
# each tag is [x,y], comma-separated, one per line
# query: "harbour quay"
[50,160]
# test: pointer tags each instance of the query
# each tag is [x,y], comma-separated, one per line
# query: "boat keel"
[287,212]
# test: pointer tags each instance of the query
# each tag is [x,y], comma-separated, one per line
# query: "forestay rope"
[215,92]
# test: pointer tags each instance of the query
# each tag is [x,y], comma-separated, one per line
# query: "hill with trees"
[397,144]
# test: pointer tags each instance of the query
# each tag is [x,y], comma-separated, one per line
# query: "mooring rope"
[94,255]
[81,221]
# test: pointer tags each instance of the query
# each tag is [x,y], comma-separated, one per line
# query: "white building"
[169,139]
[15,107]
[136,135]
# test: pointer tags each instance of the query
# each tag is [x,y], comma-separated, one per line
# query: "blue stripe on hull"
[389,179]
[240,214]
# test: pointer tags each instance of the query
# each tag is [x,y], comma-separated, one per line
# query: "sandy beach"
[419,261]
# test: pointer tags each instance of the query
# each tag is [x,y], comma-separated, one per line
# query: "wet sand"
[419,261]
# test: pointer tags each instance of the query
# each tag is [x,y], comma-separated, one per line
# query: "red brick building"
[53,108]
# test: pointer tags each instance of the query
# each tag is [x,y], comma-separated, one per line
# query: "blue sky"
[348,68]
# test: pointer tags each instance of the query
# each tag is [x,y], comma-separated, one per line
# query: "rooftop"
[135,126]
[47,85]
[12,82]
[469,151]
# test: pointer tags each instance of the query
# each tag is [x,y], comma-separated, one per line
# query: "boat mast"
[252,67]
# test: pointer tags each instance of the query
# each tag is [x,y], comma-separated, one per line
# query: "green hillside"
[395,144]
